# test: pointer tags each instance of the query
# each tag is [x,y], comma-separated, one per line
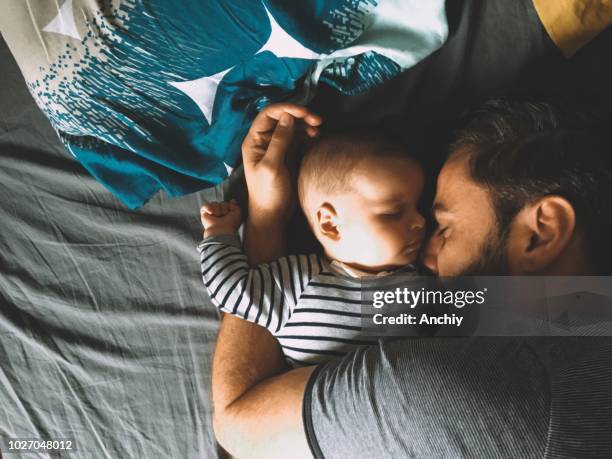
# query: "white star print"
[228,168]
[281,44]
[404,31]
[64,23]
[203,91]
[388,21]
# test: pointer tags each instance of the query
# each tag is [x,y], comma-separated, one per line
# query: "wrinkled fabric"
[106,335]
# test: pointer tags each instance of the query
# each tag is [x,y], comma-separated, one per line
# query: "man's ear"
[539,235]
[327,221]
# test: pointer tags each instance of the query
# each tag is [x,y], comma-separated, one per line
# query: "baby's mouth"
[413,246]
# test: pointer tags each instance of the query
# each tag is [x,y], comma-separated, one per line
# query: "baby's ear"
[327,221]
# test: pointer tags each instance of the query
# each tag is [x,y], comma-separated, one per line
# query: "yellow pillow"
[571,24]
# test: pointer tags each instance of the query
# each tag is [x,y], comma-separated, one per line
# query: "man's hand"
[264,154]
[220,218]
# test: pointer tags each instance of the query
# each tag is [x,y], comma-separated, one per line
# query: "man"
[523,192]
[526,190]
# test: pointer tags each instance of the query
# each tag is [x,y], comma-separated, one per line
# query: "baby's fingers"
[216,209]
[212,208]
[207,209]
[206,215]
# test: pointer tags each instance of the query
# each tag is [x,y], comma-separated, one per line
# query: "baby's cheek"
[388,244]
[368,246]
[398,236]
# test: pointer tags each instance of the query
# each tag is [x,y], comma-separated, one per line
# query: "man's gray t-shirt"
[464,397]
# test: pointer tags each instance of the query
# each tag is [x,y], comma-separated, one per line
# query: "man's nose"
[430,254]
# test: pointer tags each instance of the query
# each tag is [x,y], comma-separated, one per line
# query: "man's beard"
[492,259]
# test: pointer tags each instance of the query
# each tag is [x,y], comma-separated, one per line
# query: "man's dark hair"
[523,151]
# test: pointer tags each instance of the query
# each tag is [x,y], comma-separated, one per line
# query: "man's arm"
[257,407]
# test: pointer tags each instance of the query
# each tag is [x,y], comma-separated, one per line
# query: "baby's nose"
[418,224]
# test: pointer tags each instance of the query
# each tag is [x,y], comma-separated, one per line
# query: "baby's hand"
[220,218]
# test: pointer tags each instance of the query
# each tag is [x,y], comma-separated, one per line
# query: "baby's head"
[360,193]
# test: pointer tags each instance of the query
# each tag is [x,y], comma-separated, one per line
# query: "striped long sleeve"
[265,295]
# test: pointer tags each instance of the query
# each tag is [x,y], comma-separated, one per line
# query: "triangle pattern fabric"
[203,91]
[281,44]
[123,87]
[64,23]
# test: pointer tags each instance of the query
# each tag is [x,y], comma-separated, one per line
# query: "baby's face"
[379,224]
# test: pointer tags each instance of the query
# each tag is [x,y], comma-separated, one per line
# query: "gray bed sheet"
[106,334]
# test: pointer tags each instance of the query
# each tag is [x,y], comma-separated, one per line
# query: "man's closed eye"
[442,231]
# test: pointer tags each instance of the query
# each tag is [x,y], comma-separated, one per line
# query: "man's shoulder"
[580,375]
[458,395]
[452,396]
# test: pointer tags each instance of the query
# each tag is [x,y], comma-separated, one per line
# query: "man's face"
[467,239]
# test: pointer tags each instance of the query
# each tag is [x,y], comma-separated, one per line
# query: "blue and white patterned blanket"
[158,94]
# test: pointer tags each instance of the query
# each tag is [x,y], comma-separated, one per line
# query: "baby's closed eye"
[392,214]
[393,211]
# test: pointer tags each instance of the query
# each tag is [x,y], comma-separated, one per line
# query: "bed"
[106,335]
[105,332]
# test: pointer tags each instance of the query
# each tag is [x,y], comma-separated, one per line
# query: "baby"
[359,193]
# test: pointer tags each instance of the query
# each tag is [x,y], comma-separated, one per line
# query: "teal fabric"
[155,94]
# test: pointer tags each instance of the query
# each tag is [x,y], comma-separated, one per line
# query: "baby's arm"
[266,294]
